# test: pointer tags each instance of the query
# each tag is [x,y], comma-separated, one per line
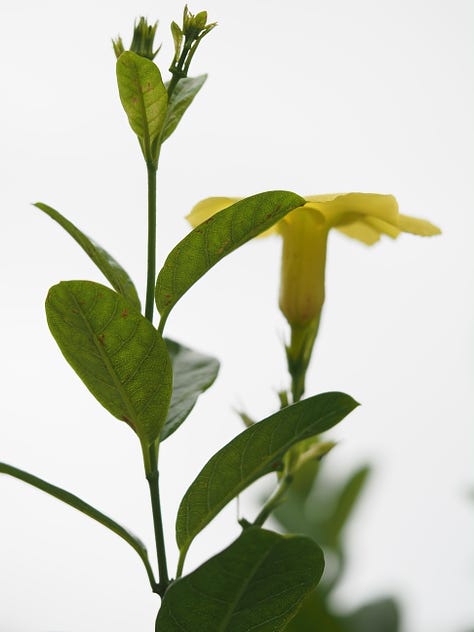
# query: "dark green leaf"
[181,98]
[85,508]
[144,98]
[255,452]
[214,239]
[116,352]
[110,268]
[380,616]
[193,373]
[257,583]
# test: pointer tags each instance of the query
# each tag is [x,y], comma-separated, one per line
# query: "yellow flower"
[362,216]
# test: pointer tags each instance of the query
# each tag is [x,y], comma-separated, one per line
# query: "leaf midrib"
[146,129]
[244,588]
[108,364]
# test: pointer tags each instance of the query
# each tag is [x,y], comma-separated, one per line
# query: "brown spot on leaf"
[124,313]
[101,338]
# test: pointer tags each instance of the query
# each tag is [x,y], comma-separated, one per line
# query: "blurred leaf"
[257,583]
[85,508]
[252,454]
[193,373]
[116,352]
[379,616]
[314,616]
[344,504]
[110,268]
[144,99]
[215,238]
[182,97]
[291,515]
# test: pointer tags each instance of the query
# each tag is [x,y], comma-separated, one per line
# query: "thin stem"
[275,499]
[177,69]
[152,477]
[151,256]
[299,355]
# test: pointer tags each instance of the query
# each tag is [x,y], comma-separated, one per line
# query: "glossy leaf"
[181,98]
[85,508]
[252,454]
[110,268]
[215,238]
[193,373]
[257,583]
[116,352]
[144,98]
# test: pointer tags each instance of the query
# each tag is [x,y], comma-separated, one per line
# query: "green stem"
[275,499]
[152,477]
[177,70]
[299,355]
[151,261]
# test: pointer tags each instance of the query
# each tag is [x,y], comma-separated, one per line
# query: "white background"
[313,97]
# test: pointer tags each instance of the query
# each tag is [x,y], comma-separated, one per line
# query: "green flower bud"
[142,41]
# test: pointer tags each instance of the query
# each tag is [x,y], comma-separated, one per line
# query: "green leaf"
[181,98]
[144,99]
[110,268]
[253,453]
[346,499]
[315,615]
[116,352]
[257,583]
[85,508]
[215,238]
[193,373]
[380,616]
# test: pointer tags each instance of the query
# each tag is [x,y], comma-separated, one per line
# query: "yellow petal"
[383,228]
[418,226]
[361,231]
[207,208]
[345,208]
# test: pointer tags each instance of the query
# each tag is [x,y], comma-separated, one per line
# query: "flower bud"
[142,41]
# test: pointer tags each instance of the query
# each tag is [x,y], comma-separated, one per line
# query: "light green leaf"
[181,98]
[85,508]
[257,583]
[346,499]
[144,99]
[116,352]
[215,238]
[252,454]
[110,268]
[193,373]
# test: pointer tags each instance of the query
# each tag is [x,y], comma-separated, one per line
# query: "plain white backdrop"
[312,96]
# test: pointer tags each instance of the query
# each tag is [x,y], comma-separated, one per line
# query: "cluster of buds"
[187,38]
[142,41]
